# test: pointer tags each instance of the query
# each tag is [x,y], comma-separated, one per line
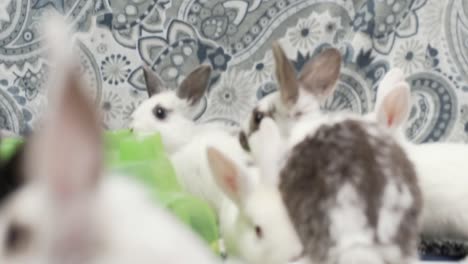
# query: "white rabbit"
[70,212]
[168,112]
[290,103]
[442,167]
[254,221]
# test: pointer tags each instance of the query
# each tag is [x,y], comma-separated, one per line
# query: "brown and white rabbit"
[349,186]
[315,83]
[69,210]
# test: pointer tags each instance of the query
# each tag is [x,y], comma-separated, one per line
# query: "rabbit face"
[262,232]
[168,112]
[297,96]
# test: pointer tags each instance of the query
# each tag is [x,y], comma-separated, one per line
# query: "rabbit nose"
[297,257]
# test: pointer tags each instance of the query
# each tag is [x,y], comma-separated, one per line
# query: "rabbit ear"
[154,84]
[194,86]
[229,177]
[286,76]
[320,74]
[394,109]
[391,78]
[66,151]
[267,148]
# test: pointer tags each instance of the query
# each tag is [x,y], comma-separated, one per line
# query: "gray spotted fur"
[340,153]
[254,126]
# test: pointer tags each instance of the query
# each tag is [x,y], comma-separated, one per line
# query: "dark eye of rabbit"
[16,237]
[160,112]
[259,232]
[258,116]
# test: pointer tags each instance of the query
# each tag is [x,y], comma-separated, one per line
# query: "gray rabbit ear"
[320,75]
[193,87]
[154,85]
[286,76]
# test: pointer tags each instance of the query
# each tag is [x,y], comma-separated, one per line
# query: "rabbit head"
[169,111]
[263,230]
[297,96]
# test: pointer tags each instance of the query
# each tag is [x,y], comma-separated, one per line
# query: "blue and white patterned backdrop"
[428,39]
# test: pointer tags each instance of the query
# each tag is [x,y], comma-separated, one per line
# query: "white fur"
[395,204]
[192,168]
[176,131]
[441,168]
[349,229]
[127,227]
[67,212]
[352,234]
[348,222]
[442,173]
[256,203]
[187,143]
[307,105]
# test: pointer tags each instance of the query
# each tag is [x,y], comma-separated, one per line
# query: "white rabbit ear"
[320,74]
[391,78]
[229,177]
[193,87]
[286,76]
[154,84]
[394,108]
[66,152]
[267,148]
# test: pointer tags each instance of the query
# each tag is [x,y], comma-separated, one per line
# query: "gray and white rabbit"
[69,210]
[441,166]
[349,187]
[315,83]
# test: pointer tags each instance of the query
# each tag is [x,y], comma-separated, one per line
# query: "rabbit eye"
[16,237]
[160,112]
[258,116]
[259,231]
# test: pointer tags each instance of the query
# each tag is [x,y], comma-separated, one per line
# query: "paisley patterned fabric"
[428,39]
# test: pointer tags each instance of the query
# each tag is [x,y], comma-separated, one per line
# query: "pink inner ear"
[390,113]
[390,120]
[231,183]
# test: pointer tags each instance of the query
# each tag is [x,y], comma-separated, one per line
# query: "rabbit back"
[348,184]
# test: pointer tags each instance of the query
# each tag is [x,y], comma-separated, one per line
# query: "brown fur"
[154,85]
[345,153]
[286,76]
[254,126]
[194,86]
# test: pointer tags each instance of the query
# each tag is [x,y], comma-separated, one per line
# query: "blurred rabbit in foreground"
[68,210]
